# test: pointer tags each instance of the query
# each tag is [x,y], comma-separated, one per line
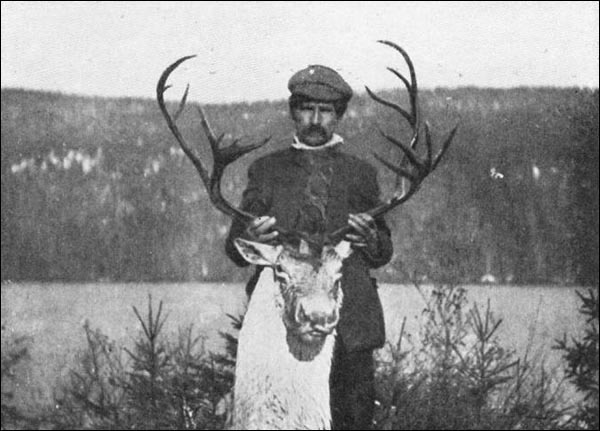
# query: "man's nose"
[315,118]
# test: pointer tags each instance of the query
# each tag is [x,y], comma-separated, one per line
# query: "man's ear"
[258,253]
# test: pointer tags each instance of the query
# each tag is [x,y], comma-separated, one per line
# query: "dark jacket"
[277,186]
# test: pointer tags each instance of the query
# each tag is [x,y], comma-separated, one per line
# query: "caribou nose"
[321,316]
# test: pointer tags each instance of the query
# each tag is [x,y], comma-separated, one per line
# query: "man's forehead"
[316,103]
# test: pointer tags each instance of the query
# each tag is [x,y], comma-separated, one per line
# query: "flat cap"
[320,83]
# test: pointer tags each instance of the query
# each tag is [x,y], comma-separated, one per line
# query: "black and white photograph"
[341,215]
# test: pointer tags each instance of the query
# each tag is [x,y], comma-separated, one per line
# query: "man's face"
[315,122]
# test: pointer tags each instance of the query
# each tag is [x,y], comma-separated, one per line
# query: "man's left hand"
[365,236]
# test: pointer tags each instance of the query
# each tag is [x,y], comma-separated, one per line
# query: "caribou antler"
[222,156]
[413,167]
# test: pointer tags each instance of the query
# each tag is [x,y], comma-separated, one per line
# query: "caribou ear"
[343,249]
[258,253]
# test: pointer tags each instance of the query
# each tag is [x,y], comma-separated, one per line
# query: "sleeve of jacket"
[256,200]
[370,196]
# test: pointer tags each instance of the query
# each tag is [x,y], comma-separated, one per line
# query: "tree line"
[96,189]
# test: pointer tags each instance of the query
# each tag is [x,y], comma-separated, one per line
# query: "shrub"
[582,362]
[157,385]
[459,376]
[15,352]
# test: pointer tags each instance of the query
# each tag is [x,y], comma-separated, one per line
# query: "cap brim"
[321,92]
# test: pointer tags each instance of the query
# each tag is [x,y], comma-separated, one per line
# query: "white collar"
[335,140]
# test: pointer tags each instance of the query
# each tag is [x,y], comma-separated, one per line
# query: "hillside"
[96,189]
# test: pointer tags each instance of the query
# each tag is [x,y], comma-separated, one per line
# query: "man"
[315,188]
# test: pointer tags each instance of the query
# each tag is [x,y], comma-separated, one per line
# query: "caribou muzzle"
[315,318]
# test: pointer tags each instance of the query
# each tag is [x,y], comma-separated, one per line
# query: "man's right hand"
[261,229]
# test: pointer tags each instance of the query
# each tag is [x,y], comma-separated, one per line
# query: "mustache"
[315,129]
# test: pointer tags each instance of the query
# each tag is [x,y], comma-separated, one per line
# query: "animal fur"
[275,389]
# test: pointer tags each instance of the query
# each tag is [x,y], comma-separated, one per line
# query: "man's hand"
[261,229]
[365,236]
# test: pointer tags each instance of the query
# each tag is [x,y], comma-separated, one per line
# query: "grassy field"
[53,315]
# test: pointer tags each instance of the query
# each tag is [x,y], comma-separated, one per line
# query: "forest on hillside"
[96,189]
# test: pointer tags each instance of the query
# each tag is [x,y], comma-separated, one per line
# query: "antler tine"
[161,88]
[412,88]
[445,146]
[408,150]
[212,139]
[221,156]
[392,105]
[399,170]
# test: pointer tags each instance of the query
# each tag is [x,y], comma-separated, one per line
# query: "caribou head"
[311,296]
[308,276]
